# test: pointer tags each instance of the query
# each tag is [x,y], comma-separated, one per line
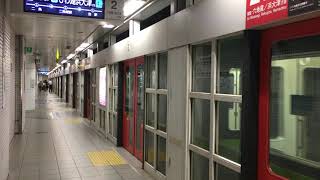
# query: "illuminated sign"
[79,8]
[261,12]
[103,86]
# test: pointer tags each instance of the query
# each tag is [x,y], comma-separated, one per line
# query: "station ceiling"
[47,33]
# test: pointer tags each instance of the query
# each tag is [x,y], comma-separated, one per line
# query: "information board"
[261,12]
[265,11]
[78,8]
[103,86]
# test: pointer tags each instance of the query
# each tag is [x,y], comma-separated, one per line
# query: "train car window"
[295,108]
[162,113]
[201,68]
[151,71]
[223,173]
[276,123]
[231,53]
[162,70]
[200,123]
[151,109]
[229,141]
[199,167]
[161,154]
[149,147]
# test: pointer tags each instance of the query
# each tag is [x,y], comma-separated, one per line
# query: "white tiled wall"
[7,113]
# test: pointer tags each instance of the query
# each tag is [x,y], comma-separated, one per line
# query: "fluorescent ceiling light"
[70,56]
[131,6]
[64,61]
[108,26]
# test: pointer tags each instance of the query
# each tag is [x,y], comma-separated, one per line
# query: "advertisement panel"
[103,86]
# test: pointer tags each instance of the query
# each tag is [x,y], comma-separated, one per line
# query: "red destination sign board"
[265,11]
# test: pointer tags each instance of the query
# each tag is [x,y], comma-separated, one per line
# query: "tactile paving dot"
[106,158]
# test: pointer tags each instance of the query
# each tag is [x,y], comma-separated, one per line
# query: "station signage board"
[261,12]
[78,8]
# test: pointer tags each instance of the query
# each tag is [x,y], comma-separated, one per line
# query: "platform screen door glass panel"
[295,108]
[156,112]
[215,108]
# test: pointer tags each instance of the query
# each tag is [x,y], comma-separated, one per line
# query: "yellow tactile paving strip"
[72,121]
[106,158]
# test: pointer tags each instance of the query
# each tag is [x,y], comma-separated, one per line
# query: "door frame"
[290,31]
[125,131]
[67,88]
[74,91]
[138,154]
[87,94]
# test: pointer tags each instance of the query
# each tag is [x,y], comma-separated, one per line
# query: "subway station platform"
[58,144]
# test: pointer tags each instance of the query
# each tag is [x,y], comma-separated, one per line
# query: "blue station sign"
[78,8]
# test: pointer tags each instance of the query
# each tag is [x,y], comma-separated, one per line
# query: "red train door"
[133,106]
[289,100]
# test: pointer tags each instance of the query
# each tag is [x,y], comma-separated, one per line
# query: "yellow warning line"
[106,158]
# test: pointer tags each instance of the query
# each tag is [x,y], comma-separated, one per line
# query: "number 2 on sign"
[114,4]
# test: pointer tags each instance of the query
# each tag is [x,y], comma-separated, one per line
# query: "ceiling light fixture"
[131,6]
[108,26]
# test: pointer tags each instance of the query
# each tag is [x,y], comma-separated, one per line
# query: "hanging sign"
[114,9]
[265,11]
[79,8]
[302,6]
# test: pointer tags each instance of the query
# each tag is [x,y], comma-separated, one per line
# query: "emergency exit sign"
[28,50]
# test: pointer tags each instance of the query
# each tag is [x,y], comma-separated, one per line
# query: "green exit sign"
[28,50]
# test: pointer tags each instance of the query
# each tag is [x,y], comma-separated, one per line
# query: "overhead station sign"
[78,8]
[261,12]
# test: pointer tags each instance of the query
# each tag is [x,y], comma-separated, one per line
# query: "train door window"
[215,102]
[294,108]
[156,112]
[276,123]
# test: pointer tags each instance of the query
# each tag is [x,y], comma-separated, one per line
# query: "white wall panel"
[206,20]
[29,93]
[214,18]
[149,40]
[177,113]
[7,113]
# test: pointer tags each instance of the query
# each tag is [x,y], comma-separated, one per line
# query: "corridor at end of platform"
[59,144]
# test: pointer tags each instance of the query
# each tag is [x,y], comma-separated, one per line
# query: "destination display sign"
[261,12]
[78,8]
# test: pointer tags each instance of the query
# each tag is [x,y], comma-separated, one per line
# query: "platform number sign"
[114,9]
